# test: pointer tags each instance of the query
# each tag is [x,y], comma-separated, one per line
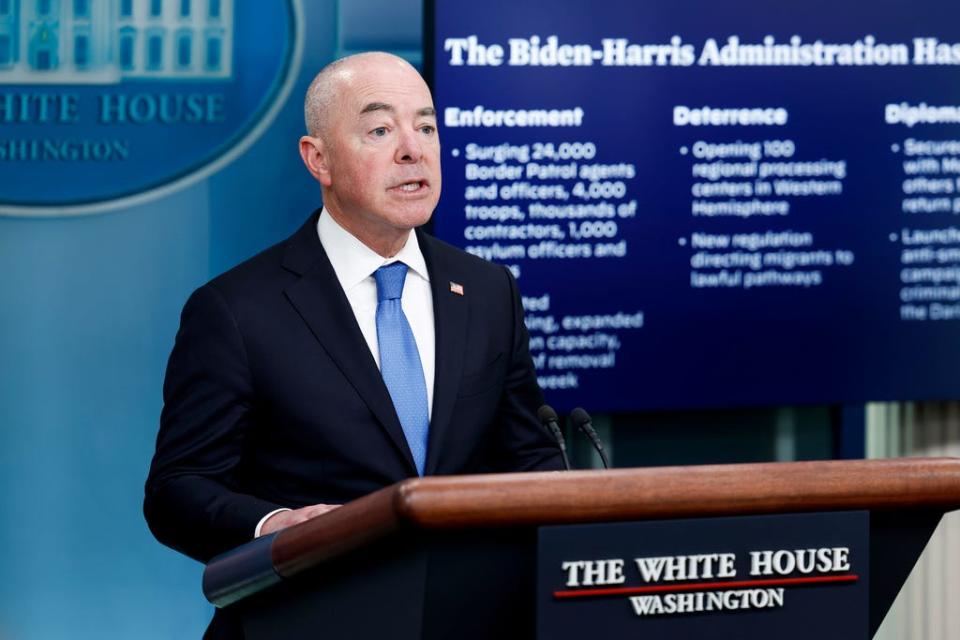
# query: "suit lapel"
[450,329]
[321,302]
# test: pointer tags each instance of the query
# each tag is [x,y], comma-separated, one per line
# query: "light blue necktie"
[400,361]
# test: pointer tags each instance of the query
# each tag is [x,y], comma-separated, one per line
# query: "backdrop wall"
[90,306]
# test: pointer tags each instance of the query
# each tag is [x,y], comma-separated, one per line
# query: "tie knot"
[390,279]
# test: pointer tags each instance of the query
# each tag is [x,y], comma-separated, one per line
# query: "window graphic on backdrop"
[119,100]
[73,41]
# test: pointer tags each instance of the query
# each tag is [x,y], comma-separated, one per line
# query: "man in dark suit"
[356,353]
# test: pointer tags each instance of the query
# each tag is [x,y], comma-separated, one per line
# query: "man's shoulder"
[253,273]
[269,271]
[456,259]
[282,264]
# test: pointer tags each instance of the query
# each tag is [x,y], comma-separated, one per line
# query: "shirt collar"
[354,261]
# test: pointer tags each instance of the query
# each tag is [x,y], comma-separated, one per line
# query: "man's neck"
[385,244]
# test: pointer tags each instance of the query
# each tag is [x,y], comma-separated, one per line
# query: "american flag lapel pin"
[456,287]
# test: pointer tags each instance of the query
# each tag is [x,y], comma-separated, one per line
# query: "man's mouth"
[411,186]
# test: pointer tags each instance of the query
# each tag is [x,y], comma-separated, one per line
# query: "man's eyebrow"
[427,111]
[376,106]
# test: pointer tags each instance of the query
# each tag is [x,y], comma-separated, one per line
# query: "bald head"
[326,88]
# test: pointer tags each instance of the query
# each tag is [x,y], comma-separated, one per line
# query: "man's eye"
[379,132]
[428,129]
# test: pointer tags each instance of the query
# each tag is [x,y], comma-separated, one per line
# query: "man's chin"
[410,218]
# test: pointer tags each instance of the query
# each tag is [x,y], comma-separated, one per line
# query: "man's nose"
[408,148]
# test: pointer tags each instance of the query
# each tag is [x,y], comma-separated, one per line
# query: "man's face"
[381,150]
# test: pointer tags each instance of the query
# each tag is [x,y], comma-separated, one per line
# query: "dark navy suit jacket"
[273,399]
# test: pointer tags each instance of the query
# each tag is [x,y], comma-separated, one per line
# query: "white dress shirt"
[354,264]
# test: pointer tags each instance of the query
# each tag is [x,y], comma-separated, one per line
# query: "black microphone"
[548,418]
[582,419]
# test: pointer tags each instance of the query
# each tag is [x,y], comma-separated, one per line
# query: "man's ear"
[315,158]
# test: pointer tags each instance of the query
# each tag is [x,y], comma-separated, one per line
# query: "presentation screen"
[711,204]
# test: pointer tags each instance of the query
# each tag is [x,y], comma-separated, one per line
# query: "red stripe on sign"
[774,582]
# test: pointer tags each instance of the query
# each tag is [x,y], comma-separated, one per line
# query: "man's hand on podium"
[284,519]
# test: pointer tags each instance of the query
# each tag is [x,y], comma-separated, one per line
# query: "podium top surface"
[533,499]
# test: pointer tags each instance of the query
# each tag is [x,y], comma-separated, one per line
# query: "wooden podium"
[455,556]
